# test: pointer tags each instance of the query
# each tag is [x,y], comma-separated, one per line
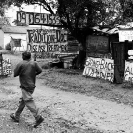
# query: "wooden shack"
[106,55]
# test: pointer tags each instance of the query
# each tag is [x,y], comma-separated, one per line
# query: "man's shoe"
[39,121]
[14,118]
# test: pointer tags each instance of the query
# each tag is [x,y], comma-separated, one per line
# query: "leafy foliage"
[127,8]
[82,13]
[4,4]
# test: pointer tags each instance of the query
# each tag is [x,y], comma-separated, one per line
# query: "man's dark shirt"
[27,71]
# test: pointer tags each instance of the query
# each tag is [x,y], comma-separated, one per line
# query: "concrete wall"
[7,38]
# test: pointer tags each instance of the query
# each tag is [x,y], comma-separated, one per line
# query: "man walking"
[27,71]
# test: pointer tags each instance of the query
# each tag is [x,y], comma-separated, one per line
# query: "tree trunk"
[81,56]
[81,59]
[80,35]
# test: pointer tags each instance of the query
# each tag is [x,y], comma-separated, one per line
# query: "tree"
[4,4]
[127,10]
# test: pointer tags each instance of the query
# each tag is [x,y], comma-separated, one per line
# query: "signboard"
[125,34]
[5,68]
[4,21]
[99,68]
[32,18]
[98,44]
[128,74]
[41,40]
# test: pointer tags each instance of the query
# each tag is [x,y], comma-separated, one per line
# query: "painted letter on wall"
[40,40]
[99,68]
[47,40]
[5,69]
[128,75]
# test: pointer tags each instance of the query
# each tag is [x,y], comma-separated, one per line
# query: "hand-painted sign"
[4,21]
[47,36]
[5,67]
[32,18]
[97,44]
[128,74]
[41,40]
[125,34]
[99,68]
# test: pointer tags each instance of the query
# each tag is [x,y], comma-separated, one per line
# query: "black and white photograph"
[66,66]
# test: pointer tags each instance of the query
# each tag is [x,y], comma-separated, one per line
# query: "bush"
[45,66]
[8,46]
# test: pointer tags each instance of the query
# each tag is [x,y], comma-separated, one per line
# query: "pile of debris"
[64,61]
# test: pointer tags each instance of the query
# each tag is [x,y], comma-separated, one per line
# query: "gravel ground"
[73,81]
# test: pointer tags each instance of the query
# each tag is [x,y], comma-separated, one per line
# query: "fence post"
[35,56]
[1,64]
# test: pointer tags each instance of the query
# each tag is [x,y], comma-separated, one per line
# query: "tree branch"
[45,5]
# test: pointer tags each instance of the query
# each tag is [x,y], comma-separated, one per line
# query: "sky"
[12,14]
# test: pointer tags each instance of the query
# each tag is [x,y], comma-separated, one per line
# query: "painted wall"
[99,68]
[1,38]
[7,38]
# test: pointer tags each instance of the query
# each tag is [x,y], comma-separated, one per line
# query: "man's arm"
[17,70]
[38,69]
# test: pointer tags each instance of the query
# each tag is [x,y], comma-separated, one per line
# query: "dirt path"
[64,112]
[67,112]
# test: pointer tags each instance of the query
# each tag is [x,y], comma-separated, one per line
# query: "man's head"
[26,55]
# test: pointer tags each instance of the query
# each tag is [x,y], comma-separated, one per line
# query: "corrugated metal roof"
[106,30]
[113,30]
[17,29]
[14,29]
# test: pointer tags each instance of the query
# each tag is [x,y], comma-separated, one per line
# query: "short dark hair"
[26,55]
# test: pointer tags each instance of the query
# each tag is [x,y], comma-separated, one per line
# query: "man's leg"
[20,108]
[32,107]
[16,116]
[29,102]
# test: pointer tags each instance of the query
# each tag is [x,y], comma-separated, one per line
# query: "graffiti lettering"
[100,68]
[5,69]
[128,74]
[32,18]
[41,40]
[100,64]
[47,36]
[39,48]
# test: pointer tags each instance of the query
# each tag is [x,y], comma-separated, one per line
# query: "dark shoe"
[14,118]
[39,121]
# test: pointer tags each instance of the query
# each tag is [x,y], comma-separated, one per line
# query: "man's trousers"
[28,101]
